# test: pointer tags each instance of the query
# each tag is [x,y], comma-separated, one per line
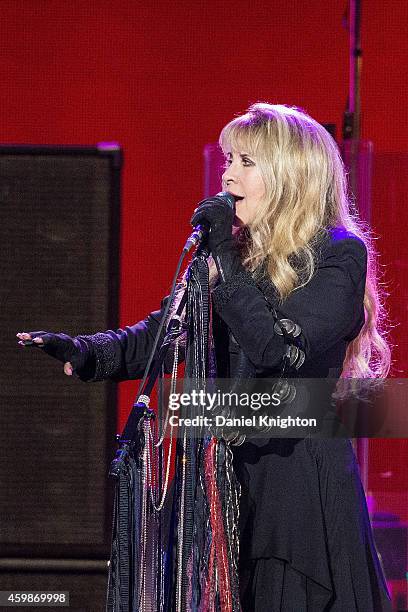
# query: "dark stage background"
[162,78]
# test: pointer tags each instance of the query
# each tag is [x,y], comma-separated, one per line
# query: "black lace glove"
[215,214]
[73,351]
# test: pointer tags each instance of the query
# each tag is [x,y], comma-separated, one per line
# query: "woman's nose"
[229,177]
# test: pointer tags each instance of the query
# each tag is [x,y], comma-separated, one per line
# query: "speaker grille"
[59,258]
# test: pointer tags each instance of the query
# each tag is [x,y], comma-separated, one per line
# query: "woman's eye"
[245,162]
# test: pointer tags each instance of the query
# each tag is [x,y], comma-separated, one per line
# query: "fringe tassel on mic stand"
[190,562]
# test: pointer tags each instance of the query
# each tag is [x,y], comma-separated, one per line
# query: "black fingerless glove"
[78,351]
[228,260]
[215,214]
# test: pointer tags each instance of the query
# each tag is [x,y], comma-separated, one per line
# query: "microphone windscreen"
[227,197]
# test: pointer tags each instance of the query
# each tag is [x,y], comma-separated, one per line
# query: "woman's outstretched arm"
[115,355]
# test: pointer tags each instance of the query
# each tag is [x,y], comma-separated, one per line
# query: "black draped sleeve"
[329,309]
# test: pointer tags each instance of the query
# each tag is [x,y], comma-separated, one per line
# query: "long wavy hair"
[306,192]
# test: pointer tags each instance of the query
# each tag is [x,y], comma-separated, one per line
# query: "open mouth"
[237,197]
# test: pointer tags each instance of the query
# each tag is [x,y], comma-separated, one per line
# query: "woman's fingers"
[68,369]
[25,337]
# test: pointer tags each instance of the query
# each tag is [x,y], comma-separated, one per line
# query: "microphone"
[201,231]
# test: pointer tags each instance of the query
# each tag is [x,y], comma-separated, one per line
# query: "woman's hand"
[218,216]
[61,346]
[215,214]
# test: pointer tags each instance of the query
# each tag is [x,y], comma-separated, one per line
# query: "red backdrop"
[162,78]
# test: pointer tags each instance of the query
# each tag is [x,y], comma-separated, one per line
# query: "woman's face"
[242,178]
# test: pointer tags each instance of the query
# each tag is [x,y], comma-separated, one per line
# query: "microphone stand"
[352,145]
[128,563]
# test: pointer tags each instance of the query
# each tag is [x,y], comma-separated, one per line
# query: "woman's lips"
[237,197]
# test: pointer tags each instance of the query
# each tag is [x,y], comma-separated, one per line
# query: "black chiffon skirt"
[306,539]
